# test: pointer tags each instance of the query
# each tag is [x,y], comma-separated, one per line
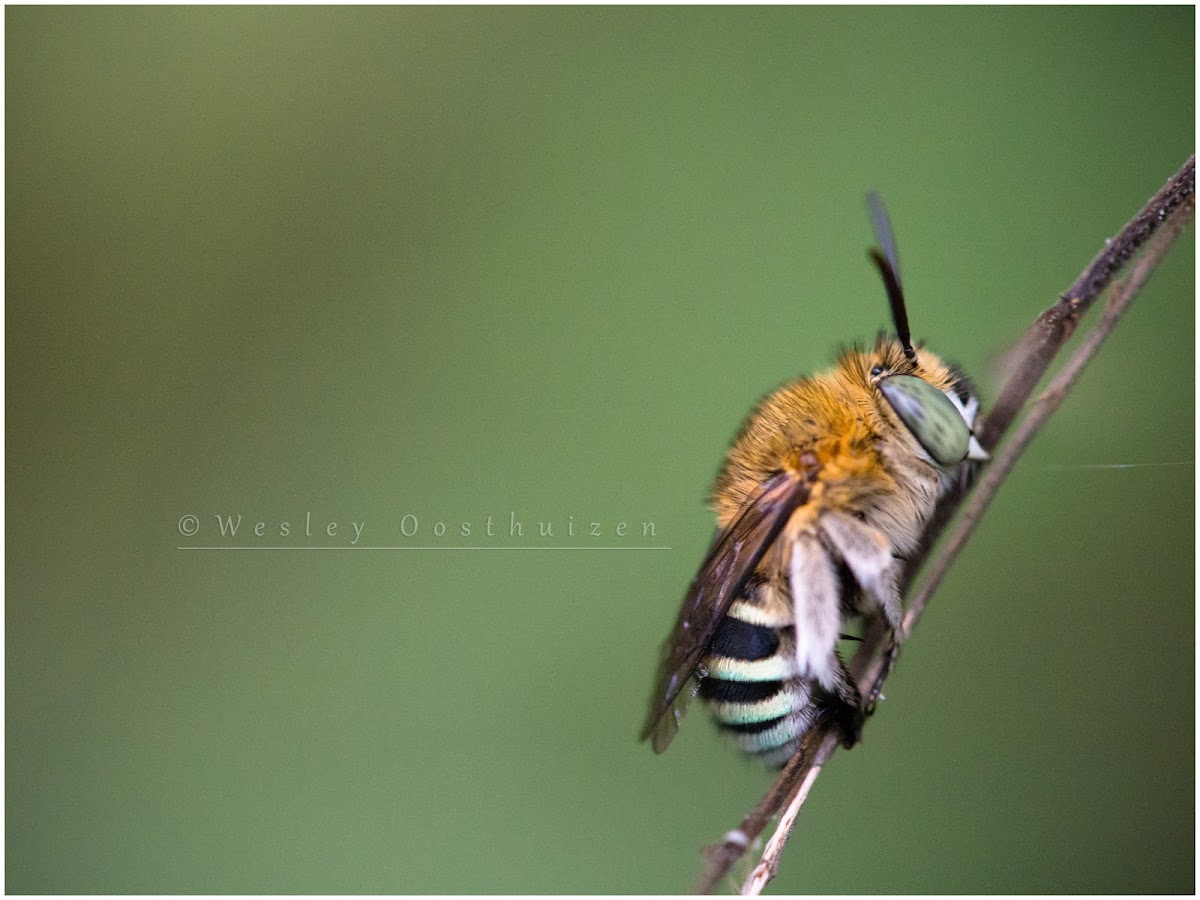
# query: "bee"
[830,484]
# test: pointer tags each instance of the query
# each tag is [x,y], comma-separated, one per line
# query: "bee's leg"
[847,706]
[890,654]
[867,554]
[817,614]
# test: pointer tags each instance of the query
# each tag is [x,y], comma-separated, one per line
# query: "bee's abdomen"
[751,687]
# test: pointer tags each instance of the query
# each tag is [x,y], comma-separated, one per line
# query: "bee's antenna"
[888,263]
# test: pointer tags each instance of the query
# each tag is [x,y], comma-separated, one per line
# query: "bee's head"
[934,402]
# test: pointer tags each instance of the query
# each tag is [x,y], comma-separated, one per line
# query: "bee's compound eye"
[929,414]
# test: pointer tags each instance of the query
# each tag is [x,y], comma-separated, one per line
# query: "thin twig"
[1053,327]
[1119,299]
[720,858]
[767,867]
[1043,340]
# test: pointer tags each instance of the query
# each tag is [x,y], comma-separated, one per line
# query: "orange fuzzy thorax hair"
[838,427]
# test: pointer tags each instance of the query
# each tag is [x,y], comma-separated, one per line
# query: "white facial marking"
[967,412]
[974,448]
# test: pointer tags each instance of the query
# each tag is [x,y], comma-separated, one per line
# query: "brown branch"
[762,874]
[1053,327]
[1119,299]
[1043,340]
[815,748]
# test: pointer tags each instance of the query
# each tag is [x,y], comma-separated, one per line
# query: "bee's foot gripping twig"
[875,694]
[850,720]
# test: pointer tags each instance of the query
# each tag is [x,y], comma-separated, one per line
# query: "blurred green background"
[461,262]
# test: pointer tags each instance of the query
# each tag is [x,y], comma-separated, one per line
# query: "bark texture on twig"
[1173,205]
[1120,297]
[1053,327]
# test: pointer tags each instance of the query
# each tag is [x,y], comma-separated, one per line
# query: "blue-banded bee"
[831,482]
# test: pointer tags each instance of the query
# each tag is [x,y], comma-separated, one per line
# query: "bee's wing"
[735,552]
